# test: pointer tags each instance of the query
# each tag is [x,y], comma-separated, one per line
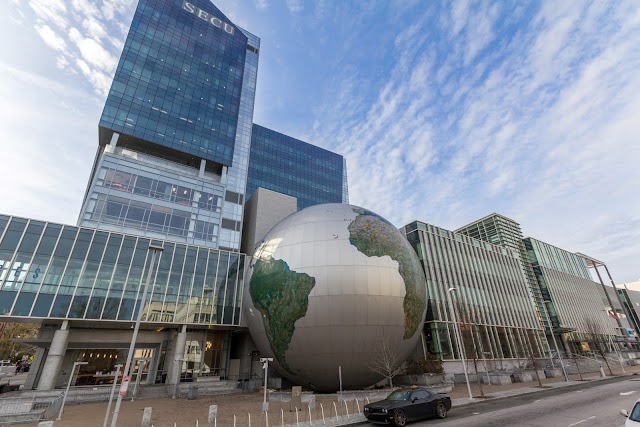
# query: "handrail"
[585,357]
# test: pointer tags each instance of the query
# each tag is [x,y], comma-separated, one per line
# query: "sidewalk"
[460,396]
[249,405]
[7,376]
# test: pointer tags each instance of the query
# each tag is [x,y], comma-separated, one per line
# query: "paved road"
[585,405]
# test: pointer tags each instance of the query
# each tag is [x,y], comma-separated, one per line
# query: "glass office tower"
[289,166]
[175,132]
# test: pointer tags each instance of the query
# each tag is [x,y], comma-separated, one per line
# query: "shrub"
[428,365]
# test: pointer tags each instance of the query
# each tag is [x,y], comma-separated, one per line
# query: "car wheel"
[441,410]
[400,418]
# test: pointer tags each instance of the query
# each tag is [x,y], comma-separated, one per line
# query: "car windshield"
[635,413]
[399,395]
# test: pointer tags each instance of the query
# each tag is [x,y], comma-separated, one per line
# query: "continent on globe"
[282,297]
[375,236]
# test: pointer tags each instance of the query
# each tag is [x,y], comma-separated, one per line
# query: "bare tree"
[533,346]
[386,361]
[596,338]
[17,331]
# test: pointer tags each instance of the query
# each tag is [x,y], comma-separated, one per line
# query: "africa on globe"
[325,287]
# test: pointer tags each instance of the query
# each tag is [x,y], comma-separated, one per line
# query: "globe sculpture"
[327,287]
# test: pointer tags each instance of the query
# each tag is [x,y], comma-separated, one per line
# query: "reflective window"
[289,166]
[178,82]
[81,273]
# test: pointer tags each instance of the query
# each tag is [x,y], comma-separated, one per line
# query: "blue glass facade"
[176,128]
[289,166]
[179,80]
[58,271]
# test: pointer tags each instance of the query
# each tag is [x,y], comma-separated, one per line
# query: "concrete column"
[178,354]
[53,361]
[203,164]
[223,175]
[114,139]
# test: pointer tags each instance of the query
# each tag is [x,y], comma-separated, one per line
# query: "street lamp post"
[66,392]
[125,374]
[113,391]
[555,343]
[459,336]
[265,365]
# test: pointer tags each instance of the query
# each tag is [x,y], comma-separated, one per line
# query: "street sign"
[125,385]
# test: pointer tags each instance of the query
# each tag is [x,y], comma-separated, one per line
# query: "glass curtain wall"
[58,271]
[492,302]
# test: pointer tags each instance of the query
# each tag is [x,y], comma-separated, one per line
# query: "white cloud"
[50,10]
[459,15]
[98,79]
[93,52]
[51,38]
[295,6]
[112,7]
[262,4]
[94,28]
[85,7]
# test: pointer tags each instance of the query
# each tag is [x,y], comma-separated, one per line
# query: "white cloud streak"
[295,6]
[51,38]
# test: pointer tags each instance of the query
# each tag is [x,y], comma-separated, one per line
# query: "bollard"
[358,403]
[335,409]
[249,416]
[266,417]
[234,420]
[146,416]
[282,415]
[309,407]
[213,414]
[197,423]
[297,420]
[322,410]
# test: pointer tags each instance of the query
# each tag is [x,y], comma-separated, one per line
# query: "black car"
[408,404]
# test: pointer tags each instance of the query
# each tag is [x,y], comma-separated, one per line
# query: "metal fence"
[16,411]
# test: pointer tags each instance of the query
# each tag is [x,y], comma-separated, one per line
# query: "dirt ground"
[184,412]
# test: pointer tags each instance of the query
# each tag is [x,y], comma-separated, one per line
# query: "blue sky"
[445,111]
